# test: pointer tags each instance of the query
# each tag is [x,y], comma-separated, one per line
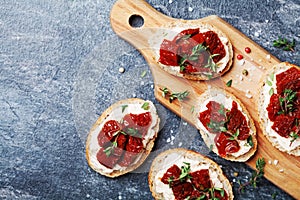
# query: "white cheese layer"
[195,165]
[227,102]
[117,114]
[285,143]
[169,34]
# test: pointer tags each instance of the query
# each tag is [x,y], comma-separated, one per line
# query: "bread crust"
[159,161]
[102,118]
[203,26]
[209,94]
[262,113]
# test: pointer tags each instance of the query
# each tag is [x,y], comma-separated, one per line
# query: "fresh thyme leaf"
[192,109]
[185,171]
[165,91]
[287,101]
[185,37]
[180,95]
[199,48]
[269,83]
[222,110]
[132,131]
[229,83]
[235,135]
[146,106]
[260,164]
[250,141]
[124,107]
[109,150]
[143,74]
[284,44]
[271,91]
[294,137]
[272,76]
[274,195]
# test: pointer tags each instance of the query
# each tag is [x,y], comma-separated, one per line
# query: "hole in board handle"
[136,21]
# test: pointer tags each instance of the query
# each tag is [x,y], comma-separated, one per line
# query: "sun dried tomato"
[168,53]
[218,195]
[274,107]
[225,145]
[201,179]
[107,132]
[182,190]
[108,161]
[133,147]
[283,125]
[172,173]
[237,121]
[289,79]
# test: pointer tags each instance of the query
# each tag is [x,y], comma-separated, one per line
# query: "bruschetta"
[192,50]
[122,137]
[184,174]
[279,107]
[225,125]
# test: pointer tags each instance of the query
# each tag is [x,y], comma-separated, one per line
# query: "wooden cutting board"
[257,62]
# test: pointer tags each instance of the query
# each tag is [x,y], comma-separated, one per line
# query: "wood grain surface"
[286,174]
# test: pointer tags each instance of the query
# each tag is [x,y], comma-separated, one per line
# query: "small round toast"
[117,112]
[170,31]
[268,88]
[247,148]
[178,156]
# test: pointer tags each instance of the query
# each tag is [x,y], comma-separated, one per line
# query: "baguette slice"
[196,160]
[247,149]
[268,84]
[171,30]
[116,112]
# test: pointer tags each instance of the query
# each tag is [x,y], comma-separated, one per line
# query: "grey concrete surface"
[59,62]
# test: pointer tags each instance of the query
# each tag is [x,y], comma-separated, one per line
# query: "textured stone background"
[59,63]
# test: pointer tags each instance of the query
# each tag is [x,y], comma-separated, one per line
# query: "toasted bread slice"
[170,31]
[117,112]
[179,157]
[247,146]
[289,145]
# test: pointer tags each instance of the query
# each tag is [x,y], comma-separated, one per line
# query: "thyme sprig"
[259,173]
[174,95]
[110,150]
[196,51]
[286,102]
[285,44]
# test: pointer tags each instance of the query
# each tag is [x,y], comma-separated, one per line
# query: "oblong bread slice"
[225,98]
[116,112]
[176,156]
[171,30]
[281,143]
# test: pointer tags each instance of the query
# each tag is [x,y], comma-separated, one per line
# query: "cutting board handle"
[124,10]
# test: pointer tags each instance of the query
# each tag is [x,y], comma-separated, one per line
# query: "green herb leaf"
[272,76]
[269,83]
[109,150]
[284,44]
[294,137]
[271,91]
[250,141]
[229,83]
[185,171]
[146,106]
[287,101]
[143,74]
[260,164]
[235,135]
[124,107]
